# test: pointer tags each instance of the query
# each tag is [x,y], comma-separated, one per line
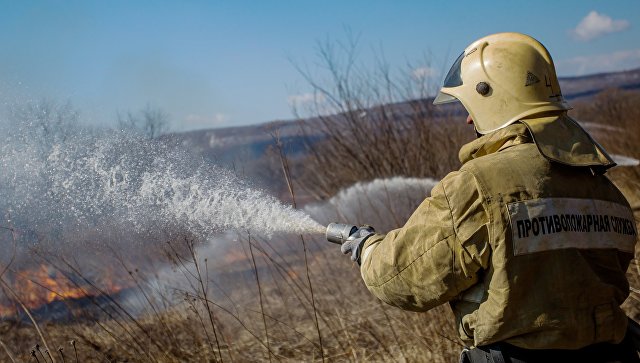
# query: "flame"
[42,285]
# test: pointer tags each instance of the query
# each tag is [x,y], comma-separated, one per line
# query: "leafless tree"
[151,121]
[46,120]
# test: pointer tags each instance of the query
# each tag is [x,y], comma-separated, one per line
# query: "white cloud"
[305,98]
[595,25]
[616,61]
[424,72]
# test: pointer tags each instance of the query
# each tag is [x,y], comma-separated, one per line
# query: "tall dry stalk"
[26,310]
[287,175]
[203,290]
[262,313]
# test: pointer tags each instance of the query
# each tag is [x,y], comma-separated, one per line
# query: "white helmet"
[501,79]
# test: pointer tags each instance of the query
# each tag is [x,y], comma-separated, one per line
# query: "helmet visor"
[444,98]
[453,76]
[452,79]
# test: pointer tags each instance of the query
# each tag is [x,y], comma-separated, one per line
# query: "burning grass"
[46,286]
[224,320]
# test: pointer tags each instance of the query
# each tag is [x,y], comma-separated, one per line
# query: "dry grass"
[259,306]
[353,324]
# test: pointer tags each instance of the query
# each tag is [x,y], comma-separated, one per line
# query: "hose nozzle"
[339,232]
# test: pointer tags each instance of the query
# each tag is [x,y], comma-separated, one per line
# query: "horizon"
[216,65]
[293,118]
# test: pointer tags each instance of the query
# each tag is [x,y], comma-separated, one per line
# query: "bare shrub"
[368,123]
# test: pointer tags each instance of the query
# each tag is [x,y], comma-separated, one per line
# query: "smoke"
[222,254]
[622,160]
[382,203]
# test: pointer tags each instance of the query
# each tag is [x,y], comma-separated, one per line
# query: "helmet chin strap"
[478,135]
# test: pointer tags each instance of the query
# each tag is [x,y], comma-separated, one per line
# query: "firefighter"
[528,241]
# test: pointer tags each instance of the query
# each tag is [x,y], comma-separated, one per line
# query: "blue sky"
[215,64]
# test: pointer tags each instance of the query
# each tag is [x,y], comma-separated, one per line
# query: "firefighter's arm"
[437,254]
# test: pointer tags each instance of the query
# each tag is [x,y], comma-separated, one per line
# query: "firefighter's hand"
[353,244]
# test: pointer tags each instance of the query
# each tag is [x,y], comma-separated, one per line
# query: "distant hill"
[227,145]
[584,86]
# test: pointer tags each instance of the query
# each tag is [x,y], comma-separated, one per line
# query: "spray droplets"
[121,181]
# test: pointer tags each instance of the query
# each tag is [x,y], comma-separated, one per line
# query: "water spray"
[113,183]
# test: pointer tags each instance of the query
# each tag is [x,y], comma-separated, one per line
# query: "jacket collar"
[559,138]
[514,134]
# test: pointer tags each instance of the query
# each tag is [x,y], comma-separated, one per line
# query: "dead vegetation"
[269,304]
[375,122]
[267,315]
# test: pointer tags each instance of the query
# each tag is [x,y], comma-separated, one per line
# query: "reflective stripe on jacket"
[527,251]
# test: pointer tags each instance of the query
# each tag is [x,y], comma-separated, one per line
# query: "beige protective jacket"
[527,251]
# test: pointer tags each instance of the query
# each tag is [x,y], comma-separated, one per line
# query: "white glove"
[353,244]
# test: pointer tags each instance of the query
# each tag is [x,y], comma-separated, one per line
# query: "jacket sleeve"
[437,254]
